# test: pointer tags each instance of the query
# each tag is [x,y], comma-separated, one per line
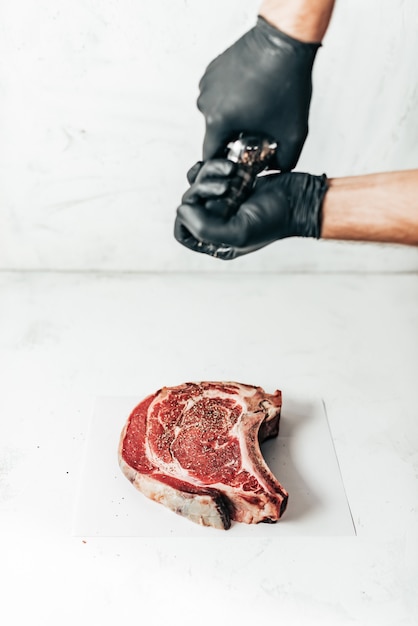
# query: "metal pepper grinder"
[253,155]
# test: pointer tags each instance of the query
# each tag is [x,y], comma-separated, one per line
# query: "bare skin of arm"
[305,20]
[373,207]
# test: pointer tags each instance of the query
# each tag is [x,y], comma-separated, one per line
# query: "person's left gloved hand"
[281,205]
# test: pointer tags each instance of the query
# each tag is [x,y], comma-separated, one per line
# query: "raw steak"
[195,449]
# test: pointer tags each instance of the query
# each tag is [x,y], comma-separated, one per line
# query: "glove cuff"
[307,212]
[277,37]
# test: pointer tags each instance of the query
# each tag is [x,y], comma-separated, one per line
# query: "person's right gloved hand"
[261,85]
[281,205]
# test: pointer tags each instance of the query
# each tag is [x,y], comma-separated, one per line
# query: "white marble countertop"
[66,338]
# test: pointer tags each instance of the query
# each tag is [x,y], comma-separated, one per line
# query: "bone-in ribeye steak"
[195,449]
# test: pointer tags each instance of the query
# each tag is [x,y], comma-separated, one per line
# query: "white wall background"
[99,125]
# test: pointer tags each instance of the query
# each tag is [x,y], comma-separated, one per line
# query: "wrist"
[276,36]
[304,20]
[306,195]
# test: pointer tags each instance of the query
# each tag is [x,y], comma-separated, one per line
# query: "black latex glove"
[260,85]
[281,205]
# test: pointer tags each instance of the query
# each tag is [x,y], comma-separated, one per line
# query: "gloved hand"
[281,205]
[261,85]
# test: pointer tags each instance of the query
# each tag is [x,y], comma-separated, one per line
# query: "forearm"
[306,20]
[375,207]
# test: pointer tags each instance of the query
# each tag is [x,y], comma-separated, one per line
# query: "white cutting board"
[302,458]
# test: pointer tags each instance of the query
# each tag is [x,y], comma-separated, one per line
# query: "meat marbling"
[195,448]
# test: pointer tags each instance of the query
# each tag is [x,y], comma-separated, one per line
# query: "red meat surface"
[195,449]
